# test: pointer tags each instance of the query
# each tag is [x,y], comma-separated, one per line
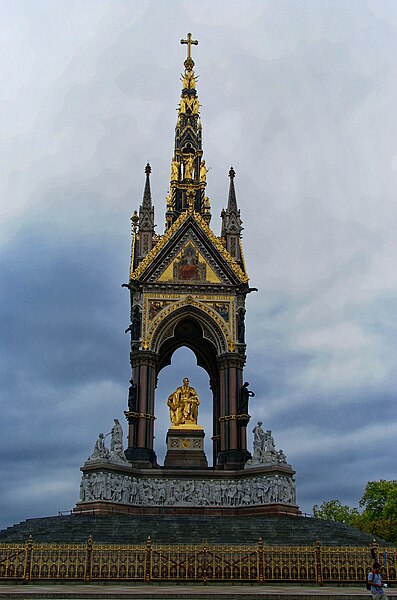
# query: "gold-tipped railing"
[201,562]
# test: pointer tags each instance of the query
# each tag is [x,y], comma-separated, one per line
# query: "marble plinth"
[185,448]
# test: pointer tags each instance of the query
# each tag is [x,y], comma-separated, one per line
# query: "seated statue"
[183,405]
[100,450]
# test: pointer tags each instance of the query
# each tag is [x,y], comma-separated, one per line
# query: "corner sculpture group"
[116,451]
[264,448]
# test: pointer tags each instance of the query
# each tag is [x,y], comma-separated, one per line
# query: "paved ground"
[183,592]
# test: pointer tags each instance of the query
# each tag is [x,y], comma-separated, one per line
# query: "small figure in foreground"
[375,580]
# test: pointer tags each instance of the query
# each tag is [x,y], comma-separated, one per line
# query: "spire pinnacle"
[232,223]
[147,195]
[232,200]
[188,169]
[189,62]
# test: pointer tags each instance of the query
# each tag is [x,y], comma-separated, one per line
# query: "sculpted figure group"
[171,492]
[188,105]
[264,448]
[116,452]
[188,163]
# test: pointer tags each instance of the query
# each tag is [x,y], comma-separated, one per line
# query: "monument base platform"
[189,528]
[110,508]
[118,488]
[185,448]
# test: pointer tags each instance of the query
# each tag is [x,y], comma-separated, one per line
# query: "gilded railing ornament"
[256,563]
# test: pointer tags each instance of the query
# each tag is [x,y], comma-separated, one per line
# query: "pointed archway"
[188,333]
[183,364]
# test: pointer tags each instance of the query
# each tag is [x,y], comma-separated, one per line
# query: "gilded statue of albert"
[183,405]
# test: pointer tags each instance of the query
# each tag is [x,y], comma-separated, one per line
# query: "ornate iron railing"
[203,562]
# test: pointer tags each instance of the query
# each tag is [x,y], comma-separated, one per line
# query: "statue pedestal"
[185,448]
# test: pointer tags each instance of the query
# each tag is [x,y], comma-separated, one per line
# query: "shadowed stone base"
[232,459]
[144,458]
[185,449]
[112,508]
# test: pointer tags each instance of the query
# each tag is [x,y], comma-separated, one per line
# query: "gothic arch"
[187,328]
[212,327]
[188,333]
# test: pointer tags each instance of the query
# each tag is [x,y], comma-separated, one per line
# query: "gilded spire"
[188,169]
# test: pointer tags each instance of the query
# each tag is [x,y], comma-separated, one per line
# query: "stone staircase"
[194,529]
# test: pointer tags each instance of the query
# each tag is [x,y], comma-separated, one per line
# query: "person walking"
[375,581]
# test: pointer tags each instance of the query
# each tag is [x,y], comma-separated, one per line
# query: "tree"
[334,510]
[379,500]
[378,515]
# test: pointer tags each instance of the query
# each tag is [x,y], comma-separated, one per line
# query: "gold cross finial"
[189,43]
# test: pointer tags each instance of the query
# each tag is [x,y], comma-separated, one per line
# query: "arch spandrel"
[188,333]
[213,326]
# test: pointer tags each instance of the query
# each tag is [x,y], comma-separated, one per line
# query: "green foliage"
[379,500]
[334,510]
[379,515]
[386,529]
[379,510]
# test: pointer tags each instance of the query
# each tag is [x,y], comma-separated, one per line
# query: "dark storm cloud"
[63,313]
[66,359]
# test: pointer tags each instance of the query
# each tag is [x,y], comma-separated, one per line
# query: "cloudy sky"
[300,98]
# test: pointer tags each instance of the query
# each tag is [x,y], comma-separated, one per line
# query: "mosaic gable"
[189,265]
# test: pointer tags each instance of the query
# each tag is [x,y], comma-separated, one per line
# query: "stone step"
[166,529]
[182,592]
